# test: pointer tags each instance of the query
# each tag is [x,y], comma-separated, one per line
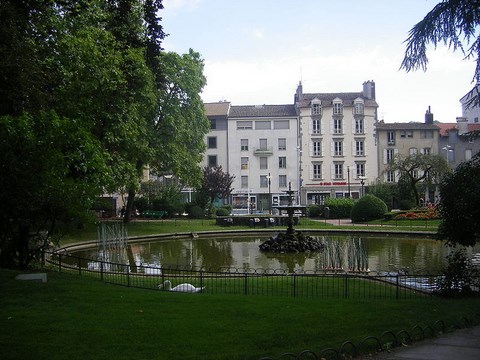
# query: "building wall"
[261,159]
[220,147]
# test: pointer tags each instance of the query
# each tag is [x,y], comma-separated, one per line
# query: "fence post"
[128,276]
[346,286]
[245,283]
[59,262]
[397,295]
[101,270]
[294,284]
[201,279]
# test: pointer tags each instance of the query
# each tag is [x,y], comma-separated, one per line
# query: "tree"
[417,168]
[455,23]
[459,204]
[216,183]
[51,170]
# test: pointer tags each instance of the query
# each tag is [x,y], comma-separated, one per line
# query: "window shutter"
[395,152]
[354,148]
[323,171]
[332,148]
[311,171]
[310,126]
[322,127]
[365,148]
[353,123]
[323,148]
[332,172]
[310,148]
[385,158]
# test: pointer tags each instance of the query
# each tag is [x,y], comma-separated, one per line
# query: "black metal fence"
[266,282]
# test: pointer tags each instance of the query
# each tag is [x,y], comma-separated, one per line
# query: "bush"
[195,212]
[223,211]
[315,211]
[368,208]
[339,208]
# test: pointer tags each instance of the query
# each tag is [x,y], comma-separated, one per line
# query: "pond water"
[353,253]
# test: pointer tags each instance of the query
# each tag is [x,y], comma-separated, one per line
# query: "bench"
[35,277]
[153,214]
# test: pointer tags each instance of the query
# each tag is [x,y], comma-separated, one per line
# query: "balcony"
[264,151]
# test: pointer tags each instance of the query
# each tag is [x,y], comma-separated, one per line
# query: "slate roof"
[262,111]
[327,98]
[217,109]
[446,127]
[406,126]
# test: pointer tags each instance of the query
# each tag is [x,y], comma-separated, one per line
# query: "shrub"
[368,208]
[222,211]
[315,210]
[195,212]
[339,208]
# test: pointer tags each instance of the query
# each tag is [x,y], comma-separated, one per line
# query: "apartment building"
[406,139]
[455,143]
[470,111]
[216,140]
[338,145]
[262,154]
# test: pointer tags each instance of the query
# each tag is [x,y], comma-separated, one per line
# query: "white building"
[262,154]
[338,146]
[469,111]
[216,139]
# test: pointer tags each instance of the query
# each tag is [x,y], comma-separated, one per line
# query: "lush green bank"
[81,318]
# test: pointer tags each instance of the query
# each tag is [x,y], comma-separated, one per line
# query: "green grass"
[153,227]
[81,318]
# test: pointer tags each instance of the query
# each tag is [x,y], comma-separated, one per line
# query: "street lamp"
[269,194]
[348,178]
[362,182]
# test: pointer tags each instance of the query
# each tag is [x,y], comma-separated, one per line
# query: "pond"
[353,253]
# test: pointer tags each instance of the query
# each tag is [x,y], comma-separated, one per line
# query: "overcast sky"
[257,51]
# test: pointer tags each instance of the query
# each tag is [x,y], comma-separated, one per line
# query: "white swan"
[167,285]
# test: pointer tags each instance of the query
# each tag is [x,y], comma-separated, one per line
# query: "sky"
[257,51]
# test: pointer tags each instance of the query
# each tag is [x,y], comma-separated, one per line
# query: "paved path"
[460,345]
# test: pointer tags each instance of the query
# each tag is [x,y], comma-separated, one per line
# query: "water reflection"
[346,253]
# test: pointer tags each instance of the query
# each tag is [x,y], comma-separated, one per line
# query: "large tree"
[419,168]
[459,204]
[455,23]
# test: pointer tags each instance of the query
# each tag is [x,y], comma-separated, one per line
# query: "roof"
[327,98]
[262,111]
[406,126]
[220,108]
[446,127]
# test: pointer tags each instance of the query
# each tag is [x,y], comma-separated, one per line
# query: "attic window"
[337,107]
[358,107]
[316,108]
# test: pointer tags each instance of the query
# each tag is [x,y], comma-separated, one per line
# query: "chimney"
[462,125]
[299,94]
[369,89]
[428,117]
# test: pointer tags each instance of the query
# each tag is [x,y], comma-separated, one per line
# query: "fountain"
[291,241]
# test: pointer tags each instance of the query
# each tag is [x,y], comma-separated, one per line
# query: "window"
[282,144]
[316,147]
[213,124]
[316,126]
[263,181]
[244,125]
[426,151]
[244,182]
[281,124]
[475,119]
[426,134]
[212,142]
[390,155]
[243,144]
[282,162]
[391,137]
[413,151]
[337,107]
[468,154]
[244,162]
[282,180]
[316,171]
[338,148]
[359,148]
[406,134]
[359,126]
[358,107]
[262,125]
[337,126]
[338,167]
[263,162]
[414,173]
[360,169]
[212,160]
[263,144]
[316,109]
[390,176]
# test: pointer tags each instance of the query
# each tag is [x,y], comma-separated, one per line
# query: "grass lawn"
[82,318]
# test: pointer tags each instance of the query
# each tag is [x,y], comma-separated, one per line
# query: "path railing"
[266,282]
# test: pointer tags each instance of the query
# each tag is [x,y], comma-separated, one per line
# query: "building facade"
[262,143]
[338,146]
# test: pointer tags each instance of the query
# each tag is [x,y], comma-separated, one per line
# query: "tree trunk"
[131,196]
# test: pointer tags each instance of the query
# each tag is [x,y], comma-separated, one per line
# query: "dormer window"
[316,107]
[358,107]
[337,107]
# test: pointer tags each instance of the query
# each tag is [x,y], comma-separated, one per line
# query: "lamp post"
[269,194]
[348,179]
[362,182]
